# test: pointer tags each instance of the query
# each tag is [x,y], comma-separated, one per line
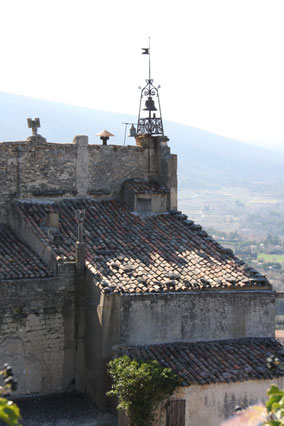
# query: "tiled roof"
[132,254]
[212,362]
[17,260]
[139,186]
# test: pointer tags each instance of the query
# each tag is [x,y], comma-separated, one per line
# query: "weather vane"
[149,118]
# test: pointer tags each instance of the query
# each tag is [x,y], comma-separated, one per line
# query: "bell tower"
[150,117]
[162,165]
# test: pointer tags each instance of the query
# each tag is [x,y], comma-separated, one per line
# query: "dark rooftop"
[213,362]
[17,260]
[133,254]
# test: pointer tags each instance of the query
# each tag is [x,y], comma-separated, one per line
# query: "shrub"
[140,386]
[9,411]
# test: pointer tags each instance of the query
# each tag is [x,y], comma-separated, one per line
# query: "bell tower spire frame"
[152,123]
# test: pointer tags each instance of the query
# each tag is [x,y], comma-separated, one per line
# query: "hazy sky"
[220,62]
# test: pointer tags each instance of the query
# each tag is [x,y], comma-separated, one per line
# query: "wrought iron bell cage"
[150,117]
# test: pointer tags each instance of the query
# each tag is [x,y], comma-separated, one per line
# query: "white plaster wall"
[210,405]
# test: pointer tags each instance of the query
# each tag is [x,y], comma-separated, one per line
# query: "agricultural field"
[271,258]
[249,222]
[253,214]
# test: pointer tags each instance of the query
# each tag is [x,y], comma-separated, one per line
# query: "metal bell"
[132,132]
[150,105]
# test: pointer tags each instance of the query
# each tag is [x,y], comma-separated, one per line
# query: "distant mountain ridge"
[205,159]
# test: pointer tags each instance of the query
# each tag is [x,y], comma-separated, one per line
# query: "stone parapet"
[39,169]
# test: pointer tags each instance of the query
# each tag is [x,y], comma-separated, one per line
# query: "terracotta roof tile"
[206,362]
[17,260]
[132,254]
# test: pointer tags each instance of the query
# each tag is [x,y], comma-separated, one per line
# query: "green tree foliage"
[9,411]
[140,386]
[234,235]
[272,240]
[275,407]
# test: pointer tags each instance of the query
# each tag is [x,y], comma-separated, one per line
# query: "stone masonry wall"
[35,168]
[101,334]
[37,331]
[196,316]
[8,176]
[111,165]
[30,170]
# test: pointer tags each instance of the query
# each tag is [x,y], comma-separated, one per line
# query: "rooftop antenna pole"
[149,61]
[125,133]
[149,86]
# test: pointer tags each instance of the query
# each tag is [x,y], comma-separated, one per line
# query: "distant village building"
[96,261]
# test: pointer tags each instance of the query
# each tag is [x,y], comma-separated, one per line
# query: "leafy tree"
[234,235]
[9,411]
[272,240]
[275,407]
[140,386]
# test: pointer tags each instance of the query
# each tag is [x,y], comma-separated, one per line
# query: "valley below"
[234,189]
[248,221]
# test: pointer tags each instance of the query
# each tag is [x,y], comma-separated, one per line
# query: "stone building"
[96,261]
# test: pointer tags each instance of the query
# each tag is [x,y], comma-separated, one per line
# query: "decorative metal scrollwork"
[149,92]
[152,124]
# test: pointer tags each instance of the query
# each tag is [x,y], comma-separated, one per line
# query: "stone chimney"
[51,222]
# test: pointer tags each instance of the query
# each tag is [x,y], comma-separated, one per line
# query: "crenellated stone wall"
[36,168]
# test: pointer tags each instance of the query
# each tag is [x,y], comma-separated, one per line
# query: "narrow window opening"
[144,205]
